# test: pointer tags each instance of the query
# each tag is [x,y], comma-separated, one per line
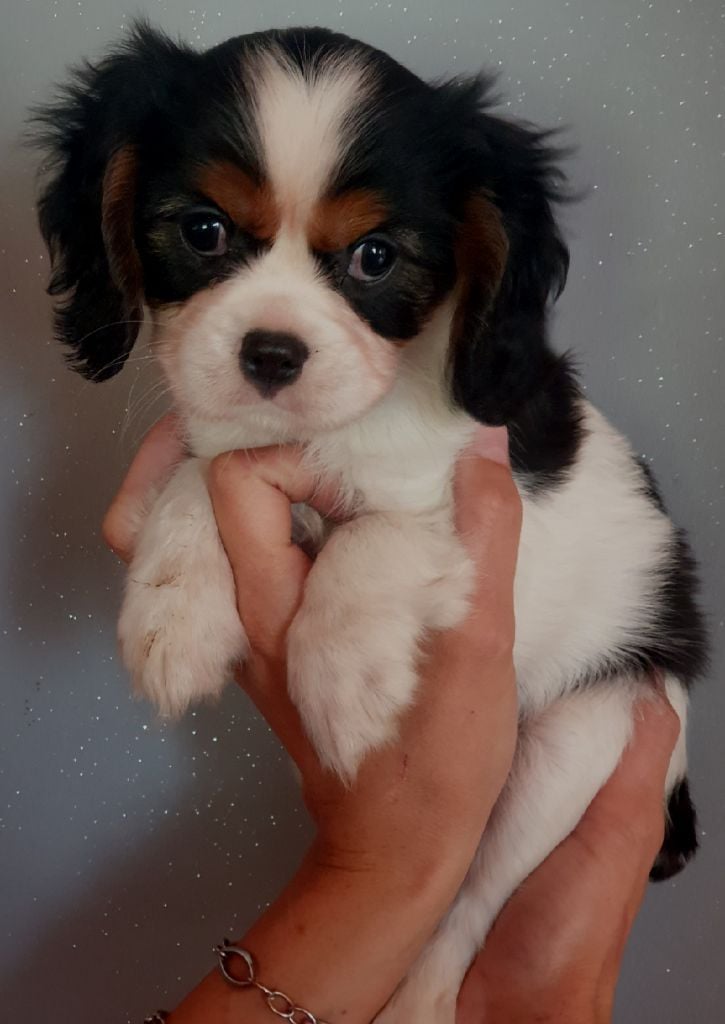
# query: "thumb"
[488,517]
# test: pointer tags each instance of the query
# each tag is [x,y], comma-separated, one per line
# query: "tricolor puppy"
[336,253]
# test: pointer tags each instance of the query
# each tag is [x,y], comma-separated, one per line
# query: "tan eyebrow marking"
[338,221]
[251,206]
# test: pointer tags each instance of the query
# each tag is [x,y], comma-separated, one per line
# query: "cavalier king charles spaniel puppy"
[337,254]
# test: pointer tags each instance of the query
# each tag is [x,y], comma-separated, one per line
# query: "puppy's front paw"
[351,673]
[179,630]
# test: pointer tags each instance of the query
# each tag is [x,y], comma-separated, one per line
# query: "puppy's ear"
[511,262]
[86,205]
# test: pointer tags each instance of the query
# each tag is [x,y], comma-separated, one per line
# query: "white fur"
[587,567]
[304,124]
[377,420]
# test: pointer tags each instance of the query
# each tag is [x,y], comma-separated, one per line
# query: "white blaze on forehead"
[305,123]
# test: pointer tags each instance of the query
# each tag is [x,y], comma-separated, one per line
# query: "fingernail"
[492,443]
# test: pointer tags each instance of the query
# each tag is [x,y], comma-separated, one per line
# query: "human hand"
[412,799]
[555,952]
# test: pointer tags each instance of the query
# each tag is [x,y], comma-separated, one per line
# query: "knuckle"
[495,637]
[671,724]
[223,473]
[629,834]
[501,495]
[115,532]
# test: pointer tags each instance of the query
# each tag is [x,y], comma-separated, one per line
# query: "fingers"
[628,813]
[252,494]
[161,450]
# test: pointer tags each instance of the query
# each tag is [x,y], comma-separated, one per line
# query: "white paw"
[351,673]
[179,631]
[377,585]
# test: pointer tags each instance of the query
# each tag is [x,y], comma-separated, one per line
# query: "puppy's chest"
[407,488]
[387,474]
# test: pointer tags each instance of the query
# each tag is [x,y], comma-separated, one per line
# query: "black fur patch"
[545,434]
[650,485]
[104,107]
[677,641]
[145,93]
[680,842]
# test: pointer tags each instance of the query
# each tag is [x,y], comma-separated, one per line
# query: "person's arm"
[336,941]
[392,850]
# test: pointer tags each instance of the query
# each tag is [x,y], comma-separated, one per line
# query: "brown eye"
[204,232]
[371,260]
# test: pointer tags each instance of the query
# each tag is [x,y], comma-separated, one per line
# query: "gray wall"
[127,848]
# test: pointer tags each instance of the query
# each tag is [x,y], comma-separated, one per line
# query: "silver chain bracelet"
[280,1004]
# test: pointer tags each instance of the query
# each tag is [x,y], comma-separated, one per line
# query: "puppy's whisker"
[105,327]
[133,409]
[135,412]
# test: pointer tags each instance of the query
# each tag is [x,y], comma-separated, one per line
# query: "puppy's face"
[293,207]
[288,269]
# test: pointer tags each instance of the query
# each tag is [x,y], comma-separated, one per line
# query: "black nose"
[271,360]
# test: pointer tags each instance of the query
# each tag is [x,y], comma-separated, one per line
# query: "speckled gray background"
[128,848]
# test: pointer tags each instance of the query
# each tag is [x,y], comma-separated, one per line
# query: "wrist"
[418,873]
[373,920]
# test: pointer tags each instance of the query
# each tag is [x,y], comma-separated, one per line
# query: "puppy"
[337,254]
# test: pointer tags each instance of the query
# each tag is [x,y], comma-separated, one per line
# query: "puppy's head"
[294,207]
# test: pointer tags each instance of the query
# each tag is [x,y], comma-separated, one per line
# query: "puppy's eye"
[204,232]
[372,260]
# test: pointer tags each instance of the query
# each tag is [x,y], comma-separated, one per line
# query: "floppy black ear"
[512,261]
[86,205]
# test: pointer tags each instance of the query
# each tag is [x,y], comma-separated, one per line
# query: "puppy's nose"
[271,360]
